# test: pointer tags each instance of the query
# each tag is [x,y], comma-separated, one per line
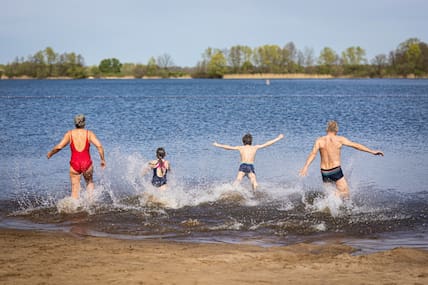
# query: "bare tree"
[165,61]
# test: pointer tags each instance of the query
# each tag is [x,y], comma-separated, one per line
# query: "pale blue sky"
[133,30]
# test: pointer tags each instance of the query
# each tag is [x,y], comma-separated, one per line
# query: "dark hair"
[247,139]
[160,153]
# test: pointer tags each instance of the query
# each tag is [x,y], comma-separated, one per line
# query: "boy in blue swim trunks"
[329,147]
[248,155]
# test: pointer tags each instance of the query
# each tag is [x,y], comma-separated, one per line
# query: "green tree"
[423,61]
[238,56]
[234,58]
[2,70]
[152,67]
[110,66]
[407,57]
[94,71]
[268,58]
[354,56]
[51,58]
[201,69]
[217,65]
[327,61]
[353,62]
[39,67]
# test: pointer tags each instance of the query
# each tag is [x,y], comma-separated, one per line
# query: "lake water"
[134,117]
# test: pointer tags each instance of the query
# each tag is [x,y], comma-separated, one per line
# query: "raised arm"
[225,146]
[93,139]
[271,142]
[360,147]
[310,158]
[65,141]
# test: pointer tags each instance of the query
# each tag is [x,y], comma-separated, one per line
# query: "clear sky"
[135,30]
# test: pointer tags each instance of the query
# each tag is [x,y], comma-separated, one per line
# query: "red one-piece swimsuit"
[80,160]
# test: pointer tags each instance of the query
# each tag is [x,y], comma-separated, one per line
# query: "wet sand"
[31,257]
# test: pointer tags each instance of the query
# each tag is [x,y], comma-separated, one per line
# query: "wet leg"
[238,178]
[342,189]
[88,175]
[253,180]
[75,183]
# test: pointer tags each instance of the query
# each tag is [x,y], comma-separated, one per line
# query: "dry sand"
[277,76]
[30,257]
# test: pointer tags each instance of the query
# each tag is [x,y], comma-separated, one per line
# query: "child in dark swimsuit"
[160,168]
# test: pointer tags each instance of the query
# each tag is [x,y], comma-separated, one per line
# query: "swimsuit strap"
[73,148]
[161,165]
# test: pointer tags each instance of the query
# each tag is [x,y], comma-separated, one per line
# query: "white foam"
[68,205]
[321,227]
[329,203]
[123,178]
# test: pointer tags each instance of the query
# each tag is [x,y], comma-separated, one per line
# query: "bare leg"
[238,178]
[88,175]
[75,183]
[342,189]
[163,187]
[253,180]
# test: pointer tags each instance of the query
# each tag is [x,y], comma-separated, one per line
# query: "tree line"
[410,58]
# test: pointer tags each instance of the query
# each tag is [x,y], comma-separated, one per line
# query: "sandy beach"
[30,257]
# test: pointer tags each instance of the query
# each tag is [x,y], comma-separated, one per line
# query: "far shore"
[32,257]
[277,76]
[262,76]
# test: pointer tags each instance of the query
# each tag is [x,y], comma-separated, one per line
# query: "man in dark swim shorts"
[331,175]
[329,147]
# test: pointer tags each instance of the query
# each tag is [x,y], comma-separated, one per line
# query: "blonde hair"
[332,126]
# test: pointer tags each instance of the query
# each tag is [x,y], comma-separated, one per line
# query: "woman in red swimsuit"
[80,162]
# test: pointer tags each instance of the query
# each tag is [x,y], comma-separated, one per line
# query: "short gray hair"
[79,121]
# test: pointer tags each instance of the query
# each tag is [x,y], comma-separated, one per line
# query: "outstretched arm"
[146,169]
[310,158]
[271,142]
[360,147]
[225,146]
[65,141]
[93,139]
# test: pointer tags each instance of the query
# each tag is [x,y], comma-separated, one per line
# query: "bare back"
[329,147]
[248,153]
[79,138]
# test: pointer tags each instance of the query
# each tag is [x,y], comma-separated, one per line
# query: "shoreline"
[34,257]
[260,76]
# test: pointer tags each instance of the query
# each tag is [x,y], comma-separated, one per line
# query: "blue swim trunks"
[247,168]
[331,175]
